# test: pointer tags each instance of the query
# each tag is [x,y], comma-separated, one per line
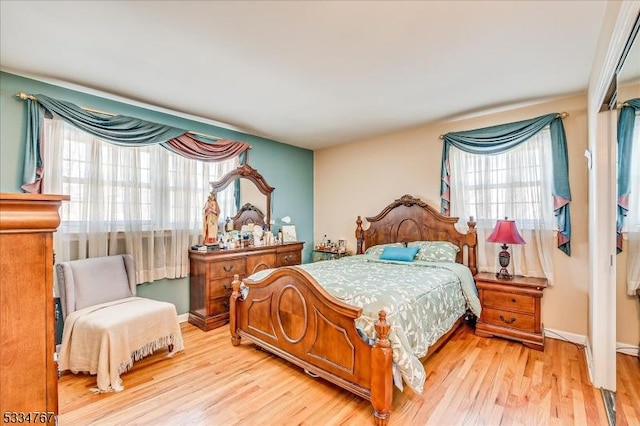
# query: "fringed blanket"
[106,339]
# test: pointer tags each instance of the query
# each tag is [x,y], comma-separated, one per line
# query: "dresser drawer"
[509,319]
[227,268]
[289,258]
[259,263]
[221,287]
[509,301]
[218,305]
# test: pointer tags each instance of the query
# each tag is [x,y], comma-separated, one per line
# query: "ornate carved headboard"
[248,214]
[411,219]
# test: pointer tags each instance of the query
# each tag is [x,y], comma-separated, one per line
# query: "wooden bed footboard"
[290,314]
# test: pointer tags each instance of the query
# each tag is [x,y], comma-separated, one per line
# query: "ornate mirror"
[249,211]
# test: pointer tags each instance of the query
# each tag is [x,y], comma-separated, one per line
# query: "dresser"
[211,274]
[511,308]
[28,372]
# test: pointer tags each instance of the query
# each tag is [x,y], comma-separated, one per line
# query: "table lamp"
[505,232]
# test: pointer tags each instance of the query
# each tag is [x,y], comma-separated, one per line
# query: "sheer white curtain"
[516,184]
[632,222]
[145,201]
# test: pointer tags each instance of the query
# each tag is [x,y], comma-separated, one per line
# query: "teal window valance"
[497,139]
[116,129]
[626,123]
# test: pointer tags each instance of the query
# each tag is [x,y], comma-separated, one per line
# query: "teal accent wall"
[287,168]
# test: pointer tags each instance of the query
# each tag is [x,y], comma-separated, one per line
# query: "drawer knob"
[288,258]
[513,300]
[506,321]
[228,268]
[225,304]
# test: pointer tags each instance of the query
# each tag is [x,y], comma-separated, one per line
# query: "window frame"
[503,186]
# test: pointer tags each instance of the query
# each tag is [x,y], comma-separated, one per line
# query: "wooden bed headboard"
[411,219]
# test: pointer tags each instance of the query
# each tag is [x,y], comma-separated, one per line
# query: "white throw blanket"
[106,339]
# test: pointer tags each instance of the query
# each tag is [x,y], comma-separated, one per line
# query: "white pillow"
[377,249]
[436,251]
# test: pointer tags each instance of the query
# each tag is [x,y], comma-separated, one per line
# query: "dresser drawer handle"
[511,321]
[513,300]
[288,258]
[227,268]
[225,304]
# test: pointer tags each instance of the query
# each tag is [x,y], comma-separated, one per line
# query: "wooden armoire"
[28,371]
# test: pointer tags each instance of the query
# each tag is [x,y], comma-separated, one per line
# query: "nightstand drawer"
[509,319]
[509,301]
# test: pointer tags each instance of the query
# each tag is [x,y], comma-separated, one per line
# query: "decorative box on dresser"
[511,308]
[211,274]
[28,372]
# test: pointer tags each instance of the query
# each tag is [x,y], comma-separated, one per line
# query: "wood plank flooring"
[471,381]
[628,390]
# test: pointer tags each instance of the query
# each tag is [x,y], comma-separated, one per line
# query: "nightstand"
[321,254]
[511,308]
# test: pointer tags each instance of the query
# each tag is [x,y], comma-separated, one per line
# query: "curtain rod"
[24,96]
[562,116]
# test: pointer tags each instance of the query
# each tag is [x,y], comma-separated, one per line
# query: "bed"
[287,312]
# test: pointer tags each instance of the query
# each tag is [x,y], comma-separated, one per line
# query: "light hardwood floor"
[471,381]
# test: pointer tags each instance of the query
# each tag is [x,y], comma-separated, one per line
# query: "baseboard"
[578,339]
[627,349]
[183,317]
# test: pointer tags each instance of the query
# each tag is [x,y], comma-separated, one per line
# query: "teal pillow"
[405,254]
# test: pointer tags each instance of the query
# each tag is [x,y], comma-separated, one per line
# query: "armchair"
[106,326]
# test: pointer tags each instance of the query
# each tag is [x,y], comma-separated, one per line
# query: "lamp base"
[503,258]
[503,274]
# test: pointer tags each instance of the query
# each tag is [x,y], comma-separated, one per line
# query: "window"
[145,200]
[516,184]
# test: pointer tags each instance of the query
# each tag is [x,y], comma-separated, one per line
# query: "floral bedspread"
[422,300]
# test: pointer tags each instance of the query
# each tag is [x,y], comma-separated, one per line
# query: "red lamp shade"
[506,232]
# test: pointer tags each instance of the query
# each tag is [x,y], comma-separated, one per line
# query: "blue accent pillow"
[405,254]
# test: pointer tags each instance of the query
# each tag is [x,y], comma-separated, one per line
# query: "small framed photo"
[289,233]
[342,246]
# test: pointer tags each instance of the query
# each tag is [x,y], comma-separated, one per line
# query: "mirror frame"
[245,171]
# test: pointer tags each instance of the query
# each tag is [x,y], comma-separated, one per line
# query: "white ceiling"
[309,73]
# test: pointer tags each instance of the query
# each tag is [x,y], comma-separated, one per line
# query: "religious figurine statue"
[210,216]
